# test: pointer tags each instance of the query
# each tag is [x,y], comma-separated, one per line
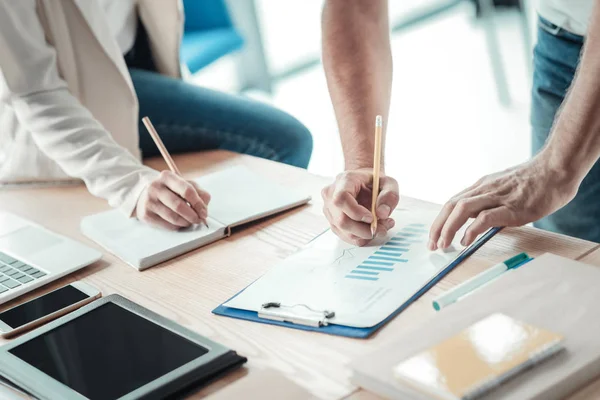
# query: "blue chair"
[208,33]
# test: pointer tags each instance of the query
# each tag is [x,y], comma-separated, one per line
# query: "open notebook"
[239,196]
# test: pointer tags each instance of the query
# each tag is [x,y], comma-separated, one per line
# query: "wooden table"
[187,288]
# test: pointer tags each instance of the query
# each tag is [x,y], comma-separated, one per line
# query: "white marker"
[469,285]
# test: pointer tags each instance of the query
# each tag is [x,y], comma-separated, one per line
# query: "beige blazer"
[67,104]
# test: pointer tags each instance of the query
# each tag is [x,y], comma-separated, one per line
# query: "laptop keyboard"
[14,273]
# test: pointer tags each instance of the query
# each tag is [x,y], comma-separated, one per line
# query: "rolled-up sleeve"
[60,125]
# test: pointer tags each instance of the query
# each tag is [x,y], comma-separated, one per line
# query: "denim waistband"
[556,30]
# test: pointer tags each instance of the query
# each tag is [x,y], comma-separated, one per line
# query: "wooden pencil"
[163,150]
[376,171]
[161,146]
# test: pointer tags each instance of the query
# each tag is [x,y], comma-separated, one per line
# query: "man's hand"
[514,197]
[172,203]
[348,205]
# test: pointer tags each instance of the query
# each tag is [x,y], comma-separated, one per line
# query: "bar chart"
[391,255]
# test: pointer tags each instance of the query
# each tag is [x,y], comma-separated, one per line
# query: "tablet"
[113,349]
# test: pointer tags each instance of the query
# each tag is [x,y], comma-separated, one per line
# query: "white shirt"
[122,21]
[68,108]
[572,15]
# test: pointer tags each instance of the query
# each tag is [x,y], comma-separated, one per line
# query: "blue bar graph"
[393,259]
[387,256]
[364,278]
[356,271]
[393,249]
[373,262]
[369,267]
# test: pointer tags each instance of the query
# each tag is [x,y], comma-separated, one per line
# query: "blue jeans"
[556,57]
[191,118]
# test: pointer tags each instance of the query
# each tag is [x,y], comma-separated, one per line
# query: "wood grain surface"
[187,288]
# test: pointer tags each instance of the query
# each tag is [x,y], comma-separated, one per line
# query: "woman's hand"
[172,202]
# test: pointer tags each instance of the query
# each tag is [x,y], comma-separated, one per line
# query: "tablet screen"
[108,352]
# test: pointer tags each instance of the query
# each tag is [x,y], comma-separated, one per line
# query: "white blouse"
[122,21]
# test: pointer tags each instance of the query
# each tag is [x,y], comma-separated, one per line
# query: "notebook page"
[239,195]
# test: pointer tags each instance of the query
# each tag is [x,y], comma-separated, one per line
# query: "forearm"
[68,134]
[574,145]
[358,66]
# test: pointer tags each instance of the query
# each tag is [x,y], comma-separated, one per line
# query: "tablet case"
[360,333]
[197,373]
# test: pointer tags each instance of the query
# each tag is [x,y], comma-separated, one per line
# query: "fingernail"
[390,223]
[383,211]
[367,218]
[441,244]
[463,241]
[431,245]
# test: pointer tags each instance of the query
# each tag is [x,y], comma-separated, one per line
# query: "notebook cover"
[359,333]
[478,358]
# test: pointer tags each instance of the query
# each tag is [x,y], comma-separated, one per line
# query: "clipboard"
[319,324]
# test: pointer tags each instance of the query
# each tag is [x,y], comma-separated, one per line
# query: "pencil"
[163,150]
[376,171]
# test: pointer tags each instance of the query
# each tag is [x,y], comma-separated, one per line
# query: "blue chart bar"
[369,267]
[392,259]
[387,254]
[373,262]
[393,249]
[400,241]
[396,244]
[406,234]
[415,230]
[364,278]
[356,271]
[417,225]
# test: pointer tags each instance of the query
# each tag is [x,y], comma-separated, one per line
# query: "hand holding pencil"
[170,201]
[359,203]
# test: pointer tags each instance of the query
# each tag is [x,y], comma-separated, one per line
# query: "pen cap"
[516,260]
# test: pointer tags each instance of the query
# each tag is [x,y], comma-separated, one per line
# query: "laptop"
[32,256]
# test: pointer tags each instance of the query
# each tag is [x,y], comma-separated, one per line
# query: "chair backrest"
[201,15]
